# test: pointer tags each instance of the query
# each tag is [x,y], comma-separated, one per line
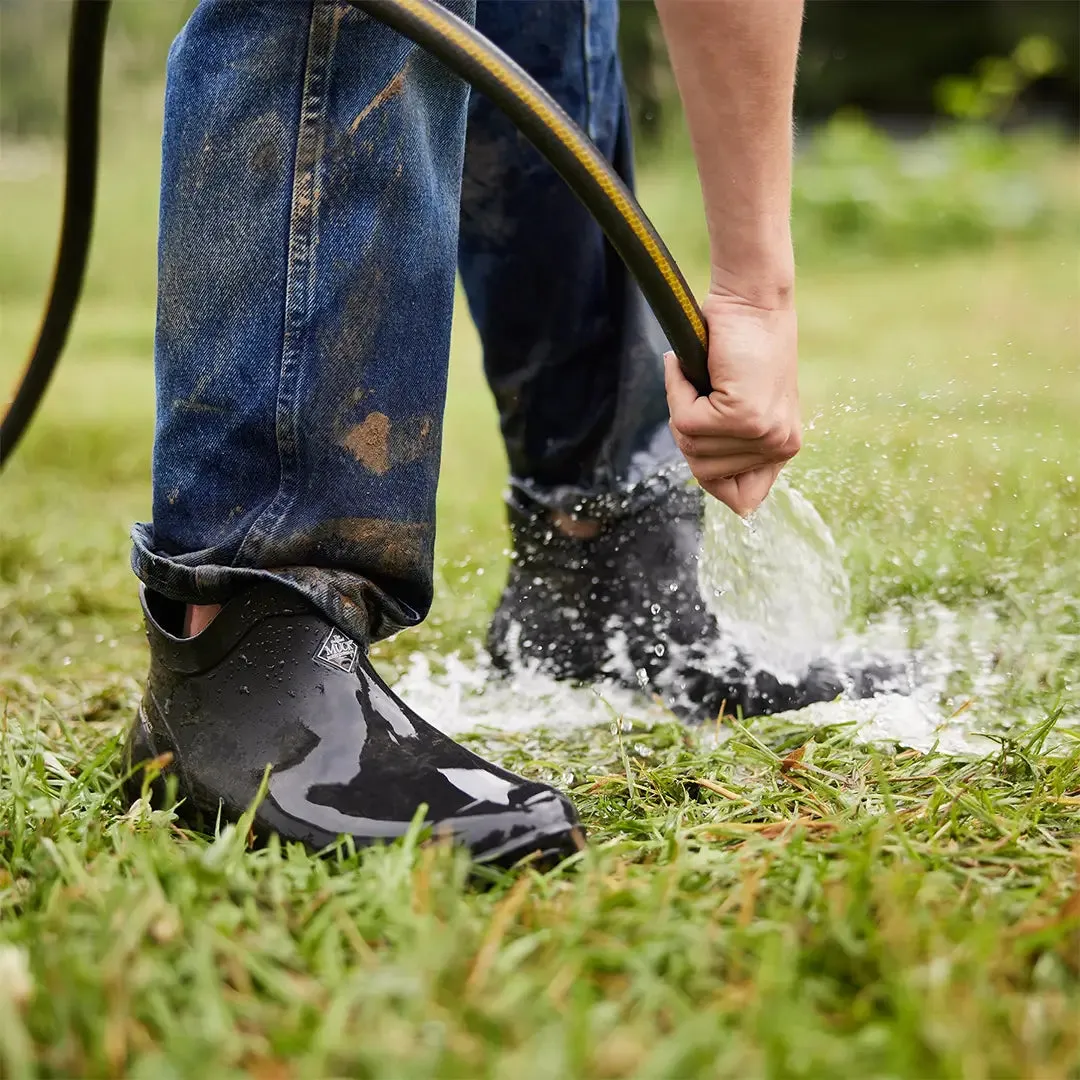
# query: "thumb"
[747,491]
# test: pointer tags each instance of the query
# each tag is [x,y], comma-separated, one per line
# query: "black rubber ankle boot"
[626,604]
[271,682]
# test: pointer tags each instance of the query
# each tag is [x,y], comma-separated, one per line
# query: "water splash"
[775,581]
[459,696]
[778,583]
[464,695]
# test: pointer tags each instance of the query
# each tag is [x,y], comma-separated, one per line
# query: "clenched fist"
[738,438]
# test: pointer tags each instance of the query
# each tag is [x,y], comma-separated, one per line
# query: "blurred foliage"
[33,55]
[31,66]
[958,186]
[992,91]
[885,57]
[888,56]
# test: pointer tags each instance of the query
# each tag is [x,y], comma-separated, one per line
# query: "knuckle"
[781,441]
[775,441]
[754,424]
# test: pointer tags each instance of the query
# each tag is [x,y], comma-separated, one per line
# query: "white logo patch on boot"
[339,652]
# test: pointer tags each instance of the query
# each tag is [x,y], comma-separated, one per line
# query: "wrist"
[762,274]
[767,289]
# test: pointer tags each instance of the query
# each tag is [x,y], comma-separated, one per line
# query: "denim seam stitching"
[300,269]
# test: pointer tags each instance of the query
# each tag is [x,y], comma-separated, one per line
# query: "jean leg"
[308,238]
[571,352]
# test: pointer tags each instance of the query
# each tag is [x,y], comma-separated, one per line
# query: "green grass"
[786,903]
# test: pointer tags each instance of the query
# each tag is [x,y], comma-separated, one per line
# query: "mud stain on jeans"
[376,547]
[379,445]
[348,346]
[266,157]
[390,90]
[220,197]
[369,442]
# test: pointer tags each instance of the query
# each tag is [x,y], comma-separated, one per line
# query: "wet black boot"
[271,682]
[626,604]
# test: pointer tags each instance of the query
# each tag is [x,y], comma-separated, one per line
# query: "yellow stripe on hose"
[568,138]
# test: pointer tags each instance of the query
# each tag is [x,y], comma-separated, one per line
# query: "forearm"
[734,62]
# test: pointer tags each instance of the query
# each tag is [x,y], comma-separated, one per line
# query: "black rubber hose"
[569,150]
[85,52]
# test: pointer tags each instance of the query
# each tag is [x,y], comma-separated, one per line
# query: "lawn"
[793,897]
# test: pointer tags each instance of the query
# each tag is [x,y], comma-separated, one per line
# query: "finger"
[681,395]
[725,491]
[754,486]
[726,468]
[692,414]
[712,417]
[746,492]
[768,450]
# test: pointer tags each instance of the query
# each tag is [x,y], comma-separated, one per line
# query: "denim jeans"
[322,180]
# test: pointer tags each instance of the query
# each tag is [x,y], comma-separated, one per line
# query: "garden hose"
[85,52]
[467,54]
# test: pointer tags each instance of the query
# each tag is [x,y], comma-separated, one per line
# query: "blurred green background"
[886,56]
[968,99]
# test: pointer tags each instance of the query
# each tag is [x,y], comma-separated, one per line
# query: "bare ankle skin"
[573,527]
[199,617]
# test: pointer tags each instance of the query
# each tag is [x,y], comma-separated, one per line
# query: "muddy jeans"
[322,179]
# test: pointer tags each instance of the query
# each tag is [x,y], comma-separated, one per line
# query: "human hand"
[738,438]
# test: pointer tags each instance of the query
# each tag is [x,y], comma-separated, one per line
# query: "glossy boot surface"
[271,682]
[626,604]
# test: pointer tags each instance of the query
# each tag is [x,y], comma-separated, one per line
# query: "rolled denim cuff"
[356,606]
[191,578]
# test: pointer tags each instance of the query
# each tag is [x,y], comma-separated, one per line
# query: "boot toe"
[346,755]
[544,825]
